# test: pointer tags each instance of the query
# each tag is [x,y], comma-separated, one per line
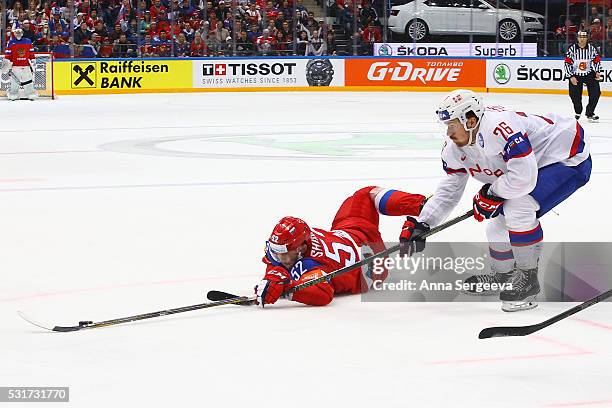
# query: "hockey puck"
[85,322]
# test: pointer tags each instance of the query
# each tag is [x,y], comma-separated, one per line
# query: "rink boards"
[527,75]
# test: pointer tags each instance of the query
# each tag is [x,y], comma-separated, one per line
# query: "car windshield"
[495,4]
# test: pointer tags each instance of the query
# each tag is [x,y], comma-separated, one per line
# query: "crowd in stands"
[198,28]
[598,25]
[164,28]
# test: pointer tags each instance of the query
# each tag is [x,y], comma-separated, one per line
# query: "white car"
[419,18]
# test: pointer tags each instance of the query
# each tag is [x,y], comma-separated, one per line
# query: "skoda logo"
[385,50]
[501,74]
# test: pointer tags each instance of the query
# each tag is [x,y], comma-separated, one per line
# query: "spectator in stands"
[181,46]
[43,42]
[221,35]
[76,22]
[28,31]
[281,46]
[155,8]
[132,31]
[565,36]
[253,33]
[100,29]
[286,29]
[144,23]
[597,34]
[244,46]
[228,22]
[185,9]
[595,15]
[265,43]
[162,21]
[369,36]
[332,48]
[58,26]
[188,31]
[106,50]
[95,43]
[198,47]
[347,19]
[316,46]
[13,14]
[82,35]
[368,15]
[163,51]
[253,15]
[302,43]
[122,48]
[114,36]
[272,27]
[147,48]
[162,39]
[299,7]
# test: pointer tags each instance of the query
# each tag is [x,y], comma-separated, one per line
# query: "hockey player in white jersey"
[527,163]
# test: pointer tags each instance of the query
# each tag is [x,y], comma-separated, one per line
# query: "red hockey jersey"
[328,252]
[20,52]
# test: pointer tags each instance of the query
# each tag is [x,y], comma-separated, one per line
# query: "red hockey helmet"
[288,234]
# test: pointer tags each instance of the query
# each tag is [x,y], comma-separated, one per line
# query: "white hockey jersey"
[509,149]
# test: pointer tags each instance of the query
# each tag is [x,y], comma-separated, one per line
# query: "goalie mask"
[18,33]
[457,104]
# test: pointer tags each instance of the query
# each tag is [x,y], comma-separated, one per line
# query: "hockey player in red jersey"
[19,57]
[296,253]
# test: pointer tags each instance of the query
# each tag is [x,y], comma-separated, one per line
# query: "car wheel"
[509,30]
[417,30]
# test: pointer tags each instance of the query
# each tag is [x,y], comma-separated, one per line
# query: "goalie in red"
[296,253]
[17,62]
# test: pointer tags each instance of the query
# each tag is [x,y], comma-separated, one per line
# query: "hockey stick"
[526,330]
[394,248]
[92,325]
[19,80]
[86,324]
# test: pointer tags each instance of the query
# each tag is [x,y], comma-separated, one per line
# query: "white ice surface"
[116,205]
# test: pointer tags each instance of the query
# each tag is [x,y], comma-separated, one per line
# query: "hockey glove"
[410,243]
[486,205]
[274,283]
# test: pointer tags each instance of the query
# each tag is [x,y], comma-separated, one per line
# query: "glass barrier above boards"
[221,28]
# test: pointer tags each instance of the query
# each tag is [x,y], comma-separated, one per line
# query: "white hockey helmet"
[457,104]
[18,33]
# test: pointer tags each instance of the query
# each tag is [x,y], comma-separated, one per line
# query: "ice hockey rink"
[125,204]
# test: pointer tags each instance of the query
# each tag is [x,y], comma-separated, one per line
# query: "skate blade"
[527,304]
[593,120]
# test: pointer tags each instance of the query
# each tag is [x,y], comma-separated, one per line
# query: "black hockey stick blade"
[87,324]
[526,330]
[509,331]
[217,295]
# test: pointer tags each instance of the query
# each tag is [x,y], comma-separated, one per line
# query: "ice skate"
[525,288]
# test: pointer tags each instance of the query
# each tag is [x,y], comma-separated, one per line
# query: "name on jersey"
[316,250]
[488,172]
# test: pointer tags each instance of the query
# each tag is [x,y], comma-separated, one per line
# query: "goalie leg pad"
[13,91]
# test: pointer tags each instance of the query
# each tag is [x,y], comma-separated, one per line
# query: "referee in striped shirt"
[582,65]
